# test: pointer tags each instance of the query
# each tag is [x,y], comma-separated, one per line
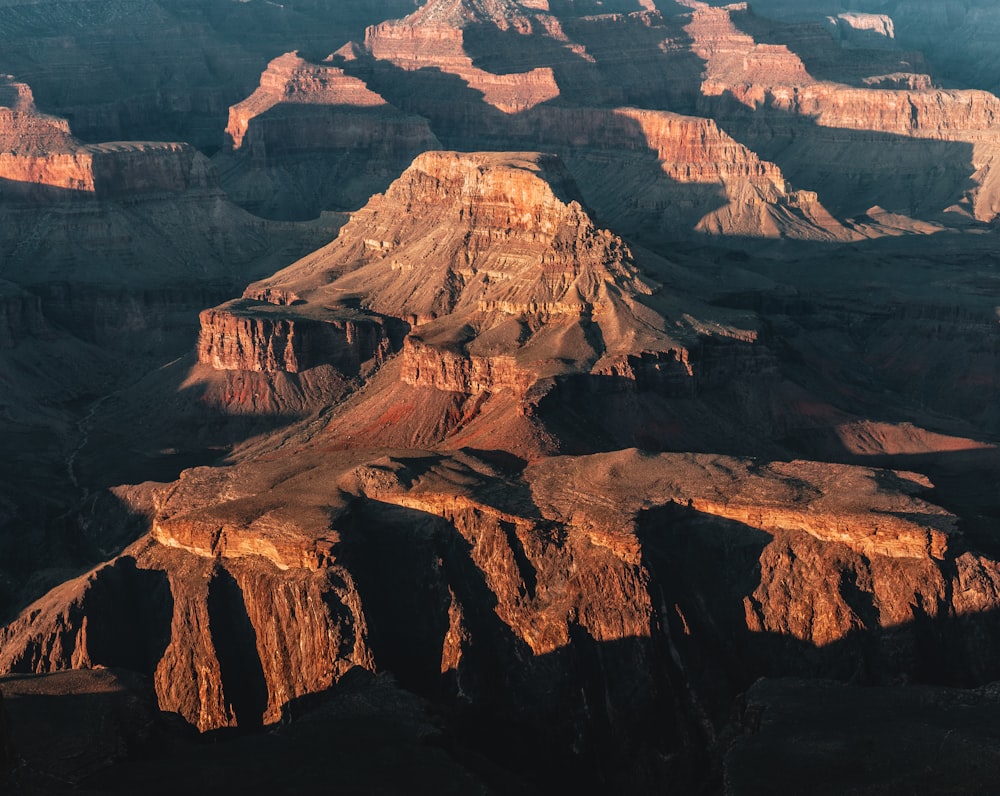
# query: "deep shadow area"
[129,612]
[824,57]
[522,711]
[235,642]
[132,609]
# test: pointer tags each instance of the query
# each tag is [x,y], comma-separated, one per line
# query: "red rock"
[432,36]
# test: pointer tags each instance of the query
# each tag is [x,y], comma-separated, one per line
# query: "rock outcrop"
[258,336]
[38,150]
[165,70]
[313,138]
[433,37]
[290,79]
[267,581]
[772,82]
[498,278]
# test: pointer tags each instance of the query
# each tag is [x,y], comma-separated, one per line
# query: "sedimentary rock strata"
[432,36]
[312,138]
[435,464]
[265,582]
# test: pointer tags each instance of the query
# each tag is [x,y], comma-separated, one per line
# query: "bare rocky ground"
[663,458]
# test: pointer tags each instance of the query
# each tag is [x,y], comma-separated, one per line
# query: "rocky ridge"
[432,36]
[773,83]
[313,138]
[587,621]
[562,566]
[38,150]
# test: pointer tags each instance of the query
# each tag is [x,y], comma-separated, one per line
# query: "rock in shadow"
[818,45]
[572,717]
[235,642]
[852,170]
[68,725]
[129,612]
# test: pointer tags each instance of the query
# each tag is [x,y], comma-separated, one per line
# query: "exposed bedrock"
[532,600]
[313,138]
[255,336]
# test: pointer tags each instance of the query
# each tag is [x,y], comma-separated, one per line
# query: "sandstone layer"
[773,83]
[499,280]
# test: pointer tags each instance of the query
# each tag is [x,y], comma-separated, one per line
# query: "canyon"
[512,397]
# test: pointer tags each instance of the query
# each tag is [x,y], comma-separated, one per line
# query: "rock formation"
[168,69]
[432,36]
[500,282]
[520,476]
[773,83]
[38,150]
[536,575]
[312,137]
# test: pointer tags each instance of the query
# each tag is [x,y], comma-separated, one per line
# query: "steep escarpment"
[312,137]
[706,182]
[246,335]
[165,69]
[533,601]
[291,79]
[763,93]
[37,153]
[103,231]
[433,37]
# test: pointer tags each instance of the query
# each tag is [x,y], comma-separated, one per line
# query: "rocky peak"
[463,233]
[496,278]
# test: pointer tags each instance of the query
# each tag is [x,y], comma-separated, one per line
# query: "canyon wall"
[515,581]
[240,336]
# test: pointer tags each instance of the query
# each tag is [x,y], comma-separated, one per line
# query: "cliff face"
[433,37]
[165,69]
[290,79]
[313,138]
[771,81]
[523,590]
[240,336]
[707,181]
[38,151]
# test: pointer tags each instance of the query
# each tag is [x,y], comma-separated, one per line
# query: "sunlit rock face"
[267,581]
[772,83]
